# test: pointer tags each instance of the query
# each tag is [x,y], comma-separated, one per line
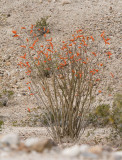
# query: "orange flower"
[20,65]
[31,31]
[71,57]
[48,30]
[92,38]
[51,45]
[49,50]
[96,70]
[31,94]
[94,54]
[43,88]
[29,88]
[112,75]
[28,64]
[44,35]
[28,82]
[31,47]
[23,64]
[38,63]
[14,32]
[73,71]
[102,34]
[99,91]
[46,55]
[79,30]
[28,72]
[84,42]
[72,40]
[24,57]
[80,75]
[27,39]
[78,54]
[16,35]
[23,46]
[49,39]
[32,26]
[28,109]
[23,28]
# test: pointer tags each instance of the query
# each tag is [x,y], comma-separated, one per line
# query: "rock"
[96,149]
[72,151]
[89,155]
[66,2]
[40,146]
[84,148]
[117,155]
[9,140]
[107,148]
[31,141]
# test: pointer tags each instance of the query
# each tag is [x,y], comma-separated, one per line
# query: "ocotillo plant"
[64,79]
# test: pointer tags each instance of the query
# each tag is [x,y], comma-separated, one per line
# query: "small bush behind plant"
[116,115]
[77,69]
[99,117]
[1,123]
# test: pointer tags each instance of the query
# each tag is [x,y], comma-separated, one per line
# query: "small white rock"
[84,148]
[72,151]
[117,155]
[11,140]
[31,141]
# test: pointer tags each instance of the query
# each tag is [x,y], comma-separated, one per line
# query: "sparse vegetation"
[1,123]
[116,115]
[67,93]
[42,25]
[100,116]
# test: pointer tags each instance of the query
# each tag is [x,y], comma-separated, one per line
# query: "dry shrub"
[64,79]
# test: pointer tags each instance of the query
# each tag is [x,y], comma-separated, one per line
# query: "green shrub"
[116,115]
[1,123]
[100,115]
[42,25]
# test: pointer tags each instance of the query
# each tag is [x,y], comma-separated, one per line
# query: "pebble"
[34,144]
[72,151]
[9,140]
[117,155]
[96,149]
[31,141]
[66,2]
